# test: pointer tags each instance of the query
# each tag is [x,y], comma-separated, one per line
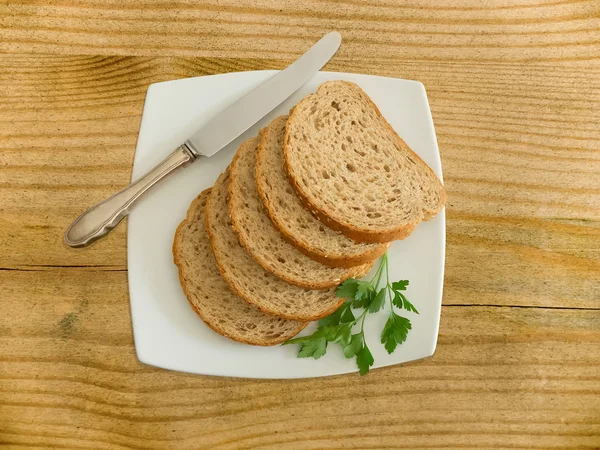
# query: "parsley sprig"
[342,326]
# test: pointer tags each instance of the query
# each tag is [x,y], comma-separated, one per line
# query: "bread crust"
[313,252]
[352,231]
[177,241]
[253,301]
[352,272]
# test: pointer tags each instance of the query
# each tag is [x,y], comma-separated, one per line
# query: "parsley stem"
[388,286]
[377,273]
[383,264]
[387,272]
[362,324]
[362,316]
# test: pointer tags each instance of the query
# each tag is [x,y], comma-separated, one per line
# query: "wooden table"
[514,87]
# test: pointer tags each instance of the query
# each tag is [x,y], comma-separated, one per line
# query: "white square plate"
[167,332]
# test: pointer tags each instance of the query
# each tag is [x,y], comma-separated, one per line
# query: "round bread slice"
[248,279]
[261,239]
[289,216]
[210,296]
[353,171]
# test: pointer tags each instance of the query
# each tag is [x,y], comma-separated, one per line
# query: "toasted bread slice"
[248,279]
[353,171]
[297,225]
[210,296]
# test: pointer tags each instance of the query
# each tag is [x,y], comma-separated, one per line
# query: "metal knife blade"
[237,118]
[100,219]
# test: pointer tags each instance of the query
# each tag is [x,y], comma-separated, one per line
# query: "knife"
[211,137]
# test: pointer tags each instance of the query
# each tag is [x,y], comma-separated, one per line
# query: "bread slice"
[210,296]
[261,239]
[248,279]
[291,219]
[353,171]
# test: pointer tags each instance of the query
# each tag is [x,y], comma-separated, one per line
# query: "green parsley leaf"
[400,301]
[341,316]
[366,300]
[363,290]
[364,360]
[378,301]
[343,335]
[347,315]
[314,345]
[355,345]
[298,340]
[314,348]
[395,331]
[409,306]
[329,332]
[337,327]
[397,301]
[400,285]
[347,289]
[335,317]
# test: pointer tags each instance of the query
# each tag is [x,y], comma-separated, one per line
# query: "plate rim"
[139,348]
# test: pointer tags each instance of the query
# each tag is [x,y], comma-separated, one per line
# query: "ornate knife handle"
[100,219]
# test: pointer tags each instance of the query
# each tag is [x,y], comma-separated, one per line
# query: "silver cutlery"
[210,137]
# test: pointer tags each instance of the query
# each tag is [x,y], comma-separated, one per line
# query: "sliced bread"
[353,171]
[210,296]
[248,279]
[289,216]
[261,239]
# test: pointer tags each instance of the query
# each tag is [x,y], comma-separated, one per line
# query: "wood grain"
[514,89]
[501,377]
[523,175]
[486,30]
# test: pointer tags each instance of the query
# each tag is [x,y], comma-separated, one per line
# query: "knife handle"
[100,219]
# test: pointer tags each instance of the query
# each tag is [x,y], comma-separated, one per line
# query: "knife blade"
[237,118]
[211,137]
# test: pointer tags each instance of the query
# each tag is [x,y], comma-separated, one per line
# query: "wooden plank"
[513,86]
[501,377]
[487,30]
[519,148]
